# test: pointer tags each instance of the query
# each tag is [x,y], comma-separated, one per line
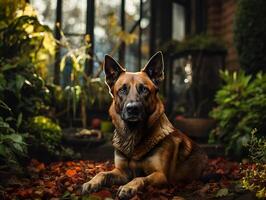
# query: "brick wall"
[220,17]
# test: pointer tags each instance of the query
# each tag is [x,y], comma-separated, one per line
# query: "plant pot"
[195,127]
[106,127]
[193,81]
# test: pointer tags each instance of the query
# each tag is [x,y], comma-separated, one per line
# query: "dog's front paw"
[130,189]
[126,192]
[90,187]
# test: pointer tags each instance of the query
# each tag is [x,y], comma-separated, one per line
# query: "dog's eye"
[143,90]
[123,90]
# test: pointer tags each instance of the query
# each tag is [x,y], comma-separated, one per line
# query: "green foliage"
[250,35]
[23,89]
[222,192]
[254,180]
[95,94]
[257,148]
[26,49]
[255,177]
[12,145]
[241,107]
[23,38]
[45,130]
[197,42]
[45,138]
[83,91]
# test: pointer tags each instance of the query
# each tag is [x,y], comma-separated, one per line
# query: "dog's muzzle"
[133,112]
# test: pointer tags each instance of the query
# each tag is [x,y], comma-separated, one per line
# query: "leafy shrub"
[26,49]
[250,35]
[23,89]
[45,130]
[241,107]
[82,91]
[257,148]
[45,139]
[255,177]
[23,37]
[12,145]
[12,148]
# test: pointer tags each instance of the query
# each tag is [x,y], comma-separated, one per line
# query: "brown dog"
[148,150]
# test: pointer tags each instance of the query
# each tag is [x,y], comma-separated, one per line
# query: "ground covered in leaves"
[63,180]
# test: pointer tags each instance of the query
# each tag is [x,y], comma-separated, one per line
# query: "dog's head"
[134,95]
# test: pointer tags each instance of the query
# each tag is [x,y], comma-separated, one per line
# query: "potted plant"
[241,107]
[193,73]
[87,93]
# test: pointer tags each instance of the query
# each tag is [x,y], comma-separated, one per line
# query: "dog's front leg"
[130,189]
[114,177]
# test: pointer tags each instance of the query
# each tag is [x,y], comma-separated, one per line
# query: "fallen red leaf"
[59,178]
[70,163]
[40,167]
[71,172]
[25,192]
[77,168]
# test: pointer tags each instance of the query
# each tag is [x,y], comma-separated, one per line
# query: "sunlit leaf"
[222,192]
[62,63]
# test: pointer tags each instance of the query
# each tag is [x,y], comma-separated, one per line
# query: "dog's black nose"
[133,108]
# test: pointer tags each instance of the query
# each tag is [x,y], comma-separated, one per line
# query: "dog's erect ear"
[155,68]
[112,70]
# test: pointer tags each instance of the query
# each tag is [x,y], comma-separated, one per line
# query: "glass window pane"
[145,36]
[132,16]
[181,81]
[74,16]
[74,43]
[132,55]
[132,13]
[178,22]
[46,10]
[107,23]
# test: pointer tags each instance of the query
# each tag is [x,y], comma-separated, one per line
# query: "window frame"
[90,24]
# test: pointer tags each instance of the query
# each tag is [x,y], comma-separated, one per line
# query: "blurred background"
[213,54]
[132,31]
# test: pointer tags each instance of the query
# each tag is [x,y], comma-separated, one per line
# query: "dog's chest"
[135,168]
[130,166]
